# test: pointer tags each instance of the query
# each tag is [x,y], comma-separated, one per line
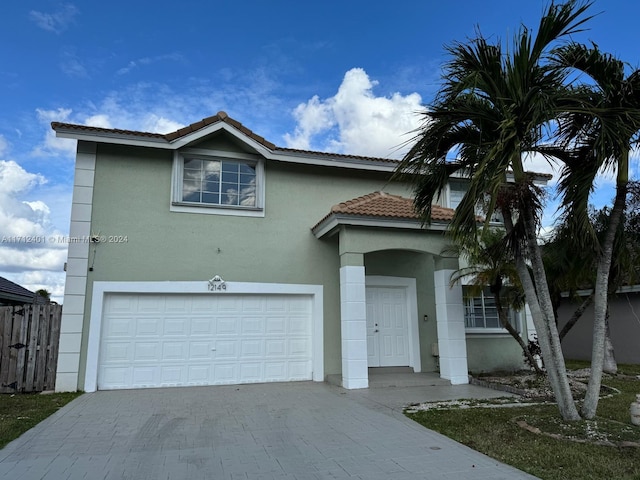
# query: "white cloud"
[52,146]
[25,225]
[56,22]
[100,120]
[133,64]
[356,121]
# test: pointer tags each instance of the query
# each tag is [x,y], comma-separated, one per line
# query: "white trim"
[76,273]
[211,209]
[100,289]
[409,284]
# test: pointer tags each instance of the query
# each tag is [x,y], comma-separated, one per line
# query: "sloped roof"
[205,122]
[382,204]
[13,291]
[378,206]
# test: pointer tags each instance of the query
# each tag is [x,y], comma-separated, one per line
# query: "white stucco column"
[353,321]
[77,266]
[452,344]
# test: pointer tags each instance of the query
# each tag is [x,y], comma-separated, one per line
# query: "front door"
[387,327]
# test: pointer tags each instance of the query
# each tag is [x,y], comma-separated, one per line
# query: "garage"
[176,339]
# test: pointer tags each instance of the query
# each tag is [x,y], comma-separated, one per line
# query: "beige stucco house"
[211,256]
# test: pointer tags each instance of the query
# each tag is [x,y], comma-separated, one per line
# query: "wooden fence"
[29,336]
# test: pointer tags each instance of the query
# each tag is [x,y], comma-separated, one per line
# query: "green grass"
[20,412]
[493,431]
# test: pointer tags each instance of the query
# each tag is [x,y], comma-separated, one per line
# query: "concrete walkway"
[301,430]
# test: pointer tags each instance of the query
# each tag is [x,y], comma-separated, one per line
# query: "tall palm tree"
[494,107]
[603,125]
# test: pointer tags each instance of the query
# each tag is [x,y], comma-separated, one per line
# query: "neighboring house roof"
[12,292]
[377,207]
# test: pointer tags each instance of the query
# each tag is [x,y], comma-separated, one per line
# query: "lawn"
[494,432]
[20,412]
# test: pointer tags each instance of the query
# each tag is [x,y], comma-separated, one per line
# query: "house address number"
[217,284]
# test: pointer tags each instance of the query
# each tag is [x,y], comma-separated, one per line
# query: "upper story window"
[457,189]
[219,182]
[223,186]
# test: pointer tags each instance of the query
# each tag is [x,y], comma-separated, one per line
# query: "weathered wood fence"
[29,336]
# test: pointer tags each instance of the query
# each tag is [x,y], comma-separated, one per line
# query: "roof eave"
[329,225]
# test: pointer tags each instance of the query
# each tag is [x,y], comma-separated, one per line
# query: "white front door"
[387,327]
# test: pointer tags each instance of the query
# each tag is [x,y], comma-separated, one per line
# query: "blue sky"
[345,76]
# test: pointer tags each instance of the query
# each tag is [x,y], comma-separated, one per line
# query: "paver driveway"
[271,431]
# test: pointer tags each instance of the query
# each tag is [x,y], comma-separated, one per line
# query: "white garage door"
[151,340]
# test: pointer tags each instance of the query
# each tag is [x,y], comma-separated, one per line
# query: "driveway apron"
[301,430]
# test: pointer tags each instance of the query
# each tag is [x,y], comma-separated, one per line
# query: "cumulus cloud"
[56,22]
[25,225]
[356,121]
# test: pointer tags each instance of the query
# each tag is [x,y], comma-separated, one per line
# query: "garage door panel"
[199,326]
[120,327]
[252,325]
[175,326]
[119,352]
[173,340]
[275,348]
[151,304]
[146,352]
[275,326]
[199,350]
[298,325]
[199,374]
[227,326]
[174,351]
[299,347]
[116,377]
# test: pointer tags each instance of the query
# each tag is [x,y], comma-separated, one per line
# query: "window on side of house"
[481,314]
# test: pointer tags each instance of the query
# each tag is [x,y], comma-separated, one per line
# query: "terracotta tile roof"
[169,137]
[194,127]
[382,204]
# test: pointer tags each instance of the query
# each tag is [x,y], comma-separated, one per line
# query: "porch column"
[353,321]
[452,344]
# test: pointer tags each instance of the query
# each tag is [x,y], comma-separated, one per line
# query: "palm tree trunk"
[610,365]
[576,316]
[543,319]
[564,396]
[592,396]
[502,314]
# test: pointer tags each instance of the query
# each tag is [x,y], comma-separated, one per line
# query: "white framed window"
[217,184]
[481,314]
[457,189]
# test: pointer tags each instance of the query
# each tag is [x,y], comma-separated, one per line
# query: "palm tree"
[603,125]
[491,265]
[492,109]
